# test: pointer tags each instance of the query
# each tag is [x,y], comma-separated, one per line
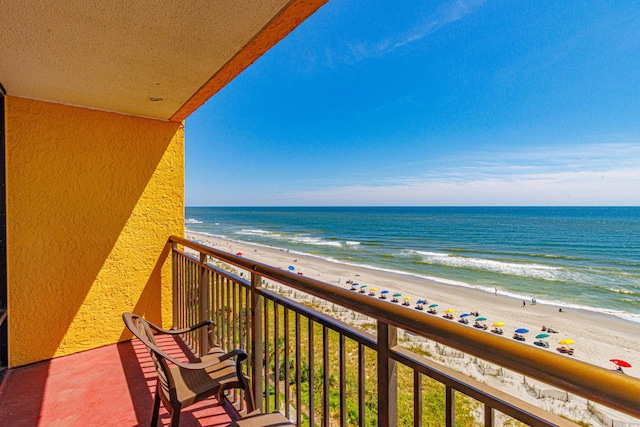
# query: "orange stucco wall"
[91,199]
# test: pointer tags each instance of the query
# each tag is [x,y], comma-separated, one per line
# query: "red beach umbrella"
[239,254]
[621,363]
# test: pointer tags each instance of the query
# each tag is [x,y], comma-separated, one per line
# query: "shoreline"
[598,336]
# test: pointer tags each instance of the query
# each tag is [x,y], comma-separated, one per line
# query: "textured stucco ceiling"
[133,56]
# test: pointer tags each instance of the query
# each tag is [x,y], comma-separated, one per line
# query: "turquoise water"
[585,258]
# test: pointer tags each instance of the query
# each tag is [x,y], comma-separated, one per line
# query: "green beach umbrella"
[481,319]
[397,295]
[363,286]
[433,305]
[540,336]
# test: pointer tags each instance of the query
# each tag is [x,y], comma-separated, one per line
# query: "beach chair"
[185,383]
[258,419]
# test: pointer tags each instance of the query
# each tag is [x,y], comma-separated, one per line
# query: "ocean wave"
[517,254]
[315,241]
[624,291]
[192,221]
[296,238]
[538,271]
[204,233]
[257,232]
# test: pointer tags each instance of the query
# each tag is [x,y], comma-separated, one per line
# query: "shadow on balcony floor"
[107,386]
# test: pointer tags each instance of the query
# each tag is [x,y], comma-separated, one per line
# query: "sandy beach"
[597,337]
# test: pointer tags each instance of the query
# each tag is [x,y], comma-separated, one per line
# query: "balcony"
[312,366]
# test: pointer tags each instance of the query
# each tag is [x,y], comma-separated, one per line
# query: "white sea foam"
[315,241]
[257,232]
[192,221]
[538,271]
[351,243]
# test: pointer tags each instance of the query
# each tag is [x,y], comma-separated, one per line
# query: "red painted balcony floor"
[107,386]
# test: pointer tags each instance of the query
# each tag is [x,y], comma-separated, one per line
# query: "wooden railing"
[319,370]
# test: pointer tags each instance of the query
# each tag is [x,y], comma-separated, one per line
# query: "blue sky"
[430,103]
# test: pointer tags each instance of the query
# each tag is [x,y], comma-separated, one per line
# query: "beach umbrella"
[291,267]
[384,292]
[397,295]
[621,363]
[433,305]
[521,331]
[464,315]
[363,286]
[407,298]
[421,301]
[374,289]
[449,310]
[239,254]
[540,336]
[566,342]
[481,319]
[498,324]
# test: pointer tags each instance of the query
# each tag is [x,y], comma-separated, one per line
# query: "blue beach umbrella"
[464,315]
[521,331]
[384,292]
[291,267]
[421,301]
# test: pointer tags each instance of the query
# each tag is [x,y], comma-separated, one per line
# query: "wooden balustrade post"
[257,340]
[387,376]
[174,279]
[450,411]
[204,304]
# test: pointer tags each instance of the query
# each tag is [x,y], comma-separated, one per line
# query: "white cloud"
[617,187]
[444,16]
[589,174]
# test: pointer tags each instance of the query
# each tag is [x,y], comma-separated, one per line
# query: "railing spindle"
[450,401]
[343,382]
[267,358]
[361,386]
[204,306]
[299,402]
[312,373]
[276,357]
[417,399]
[488,416]
[287,361]
[325,382]
[387,376]
[257,340]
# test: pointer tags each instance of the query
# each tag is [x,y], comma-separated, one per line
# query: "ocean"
[575,257]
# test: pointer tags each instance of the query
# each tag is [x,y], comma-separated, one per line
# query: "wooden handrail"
[610,388]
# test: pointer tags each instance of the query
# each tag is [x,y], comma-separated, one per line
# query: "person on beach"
[524,303]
